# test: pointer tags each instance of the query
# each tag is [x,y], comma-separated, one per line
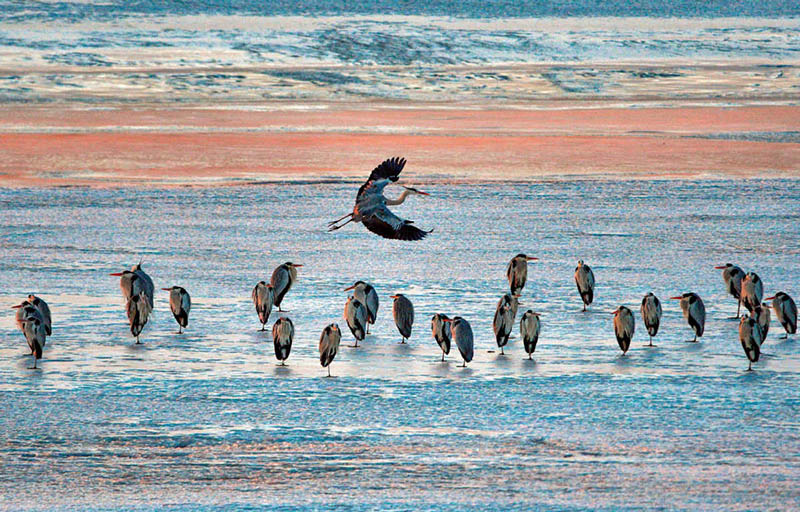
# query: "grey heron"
[762,317]
[283,277]
[461,333]
[624,327]
[355,314]
[750,337]
[441,332]
[180,303]
[262,299]
[752,291]
[138,310]
[44,309]
[651,314]
[403,313]
[282,337]
[35,336]
[329,345]
[371,205]
[785,311]
[517,272]
[694,311]
[22,312]
[134,281]
[584,278]
[366,295]
[503,321]
[31,323]
[529,328]
[732,275]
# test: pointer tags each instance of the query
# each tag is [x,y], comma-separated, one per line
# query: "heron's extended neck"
[400,199]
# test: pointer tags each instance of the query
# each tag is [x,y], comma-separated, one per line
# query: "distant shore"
[165,146]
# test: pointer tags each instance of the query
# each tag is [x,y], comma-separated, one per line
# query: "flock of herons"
[361,309]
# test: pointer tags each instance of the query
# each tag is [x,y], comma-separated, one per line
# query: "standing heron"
[503,322]
[367,296]
[24,309]
[624,327]
[30,321]
[329,345]
[762,317]
[371,205]
[44,309]
[517,272]
[355,314]
[461,333]
[584,278]
[35,335]
[752,291]
[180,303]
[282,280]
[529,328]
[750,337]
[403,313]
[138,309]
[786,311]
[441,332]
[694,311]
[134,281]
[262,299]
[651,314]
[732,275]
[282,337]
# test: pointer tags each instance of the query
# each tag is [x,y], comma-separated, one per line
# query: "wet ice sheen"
[207,418]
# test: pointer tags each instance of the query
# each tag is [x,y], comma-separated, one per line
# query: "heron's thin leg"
[442,355]
[329,370]
[750,367]
[340,226]
[529,357]
[331,223]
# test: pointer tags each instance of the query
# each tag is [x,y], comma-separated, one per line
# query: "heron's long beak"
[167,289]
[117,274]
[770,298]
[615,312]
[297,264]
[676,298]
[412,189]
[349,288]
[393,296]
[720,267]
[447,319]
[532,258]
[17,306]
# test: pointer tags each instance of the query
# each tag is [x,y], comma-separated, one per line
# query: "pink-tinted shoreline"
[151,146]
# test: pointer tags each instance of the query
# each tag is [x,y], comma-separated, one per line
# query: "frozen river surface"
[207,418]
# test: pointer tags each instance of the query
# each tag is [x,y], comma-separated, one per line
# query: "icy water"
[207,418]
[111,52]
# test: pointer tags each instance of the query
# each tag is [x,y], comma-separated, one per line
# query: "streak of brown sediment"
[146,146]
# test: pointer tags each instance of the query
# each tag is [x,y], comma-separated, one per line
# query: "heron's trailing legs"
[332,225]
[340,226]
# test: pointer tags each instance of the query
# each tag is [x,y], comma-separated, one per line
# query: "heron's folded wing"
[279,280]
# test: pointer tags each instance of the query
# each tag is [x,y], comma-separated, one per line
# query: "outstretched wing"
[388,225]
[389,169]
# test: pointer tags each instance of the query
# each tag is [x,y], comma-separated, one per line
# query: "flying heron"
[371,205]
